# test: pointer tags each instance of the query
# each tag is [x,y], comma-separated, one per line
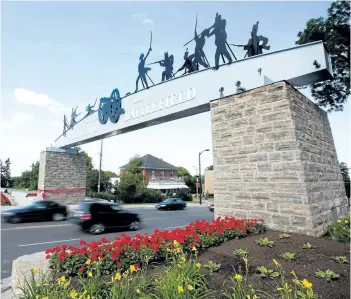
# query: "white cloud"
[21,118]
[56,124]
[29,97]
[144,18]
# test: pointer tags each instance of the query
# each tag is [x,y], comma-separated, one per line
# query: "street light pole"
[197,194]
[200,189]
[100,167]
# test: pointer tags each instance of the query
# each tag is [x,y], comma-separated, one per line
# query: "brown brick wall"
[148,172]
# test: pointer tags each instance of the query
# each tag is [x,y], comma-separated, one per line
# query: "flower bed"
[119,254]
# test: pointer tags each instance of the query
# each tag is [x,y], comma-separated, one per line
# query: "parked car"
[97,216]
[38,210]
[171,204]
[211,207]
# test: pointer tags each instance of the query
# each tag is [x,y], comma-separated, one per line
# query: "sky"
[59,55]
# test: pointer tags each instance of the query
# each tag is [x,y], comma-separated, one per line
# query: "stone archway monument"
[273,150]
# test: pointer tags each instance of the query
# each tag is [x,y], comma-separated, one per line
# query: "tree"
[335,33]
[189,180]
[209,167]
[134,165]
[346,177]
[28,178]
[6,174]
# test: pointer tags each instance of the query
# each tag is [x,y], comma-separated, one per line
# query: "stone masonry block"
[277,151]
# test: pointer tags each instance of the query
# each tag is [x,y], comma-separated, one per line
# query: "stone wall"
[274,157]
[62,176]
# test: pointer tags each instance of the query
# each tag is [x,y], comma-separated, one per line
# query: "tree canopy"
[334,31]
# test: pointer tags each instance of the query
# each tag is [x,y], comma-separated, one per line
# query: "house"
[159,174]
[207,187]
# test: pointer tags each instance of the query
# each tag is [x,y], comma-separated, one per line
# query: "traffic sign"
[198,184]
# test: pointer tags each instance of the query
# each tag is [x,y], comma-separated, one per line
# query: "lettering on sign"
[88,129]
[160,104]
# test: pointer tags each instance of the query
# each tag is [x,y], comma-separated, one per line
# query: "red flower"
[119,264]
[47,256]
[82,269]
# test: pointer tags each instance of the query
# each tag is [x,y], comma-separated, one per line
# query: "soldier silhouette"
[253,46]
[74,115]
[220,39]
[142,70]
[167,63]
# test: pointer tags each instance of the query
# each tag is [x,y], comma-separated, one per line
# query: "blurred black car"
[41,210]
[96,217]
[171,204]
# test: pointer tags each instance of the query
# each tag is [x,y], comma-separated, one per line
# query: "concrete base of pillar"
[62,176]
[275,158]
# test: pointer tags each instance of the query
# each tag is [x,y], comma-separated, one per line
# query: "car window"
[40,205]
[179,201]
[116,208]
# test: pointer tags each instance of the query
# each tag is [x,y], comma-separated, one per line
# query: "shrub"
[184,195]
[340,230]
[149,196]
[105,196]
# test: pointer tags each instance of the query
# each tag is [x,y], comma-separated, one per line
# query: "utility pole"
[200,189]
[197,192]
[100,166]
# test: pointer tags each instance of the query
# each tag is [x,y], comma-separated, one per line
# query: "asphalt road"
[26,238]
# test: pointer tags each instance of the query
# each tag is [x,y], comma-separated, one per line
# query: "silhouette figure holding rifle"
[220,39]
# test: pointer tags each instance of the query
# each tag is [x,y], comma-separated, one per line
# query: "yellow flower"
[198,265]
[339,221]
[62,279]
[132,268]
[138,291]
[35,271]
[346,222]
[183,259]
[90,274]
[276,263]
[180,289]
[175,243]
[190,288]
[178,250]
[307,284]
[194,248]
[238,277]
[88,262]
[73,294]
[118,276]
[88,297]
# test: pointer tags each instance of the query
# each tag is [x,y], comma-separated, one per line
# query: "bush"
[340,230]
[184,195]
[150,196]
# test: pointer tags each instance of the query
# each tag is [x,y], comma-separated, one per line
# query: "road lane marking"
[24,245]
[36,226]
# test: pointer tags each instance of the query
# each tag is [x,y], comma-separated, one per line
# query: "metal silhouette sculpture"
[167,63]
[188,65]
[74,115]
[65,125]
[254,46]
[220,40]
[90,109]
[110,108]
[142,70]
[199,56]
[239,89]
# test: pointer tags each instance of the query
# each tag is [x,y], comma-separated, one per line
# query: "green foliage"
[241,252]
[6,174]
[340,230]
[28,178]
[264,242]
[106,196]
[335,33]
[307,246]
[184,195]
[209,167]
[284,236]
[327,275]
[346,178]
[213,267]
[265,272]
[288,256]
[341,259]
[189,180]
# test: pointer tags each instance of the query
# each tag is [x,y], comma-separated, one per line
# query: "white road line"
[48,242]
[36,226]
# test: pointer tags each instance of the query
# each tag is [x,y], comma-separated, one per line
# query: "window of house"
[162,173]
[153,173]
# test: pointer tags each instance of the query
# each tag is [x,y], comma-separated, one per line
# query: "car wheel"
[58,217]
[97,228]
[135,225]
[15,219]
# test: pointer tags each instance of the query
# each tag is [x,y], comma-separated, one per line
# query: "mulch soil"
[307,261]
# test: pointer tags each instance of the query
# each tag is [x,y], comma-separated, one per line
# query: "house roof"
[151,162]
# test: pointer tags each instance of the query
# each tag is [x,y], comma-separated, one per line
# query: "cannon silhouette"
[110,108]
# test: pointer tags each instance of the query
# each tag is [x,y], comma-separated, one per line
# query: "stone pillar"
[275,158]
[62,175]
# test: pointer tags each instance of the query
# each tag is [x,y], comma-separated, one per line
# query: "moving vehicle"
[211,206]
[171,204]
[39,210]
[97,216]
